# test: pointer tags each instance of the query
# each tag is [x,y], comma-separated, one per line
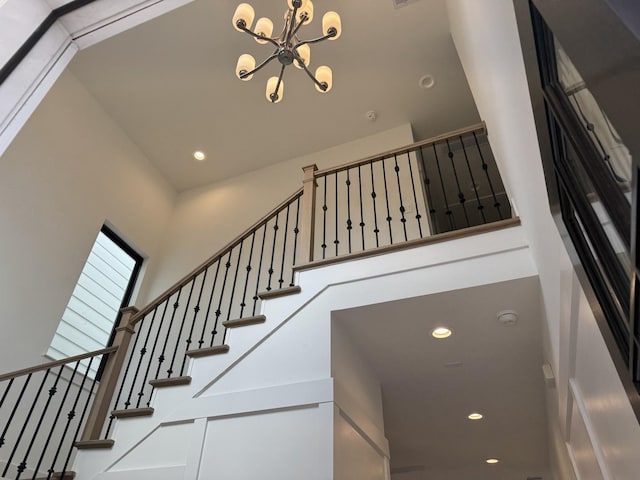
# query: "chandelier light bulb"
[272,95]
[305,53]
[245,13]
[308,10]
[264,27]
[331,20]
[324,75]
[246,63]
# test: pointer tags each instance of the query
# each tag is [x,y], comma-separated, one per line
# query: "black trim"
[15,60]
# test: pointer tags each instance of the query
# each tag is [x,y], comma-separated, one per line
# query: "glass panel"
[595,202]
[614,153]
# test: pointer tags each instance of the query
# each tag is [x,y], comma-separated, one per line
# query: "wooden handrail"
[479,127]
[212,259]
[45,366]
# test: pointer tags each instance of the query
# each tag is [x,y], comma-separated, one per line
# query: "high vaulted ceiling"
[170,84]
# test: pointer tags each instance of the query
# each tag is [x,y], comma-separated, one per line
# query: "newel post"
[307,215]
[104,395]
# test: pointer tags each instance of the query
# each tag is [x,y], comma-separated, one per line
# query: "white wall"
[206,219]
[486,37]
[68,171]
[358,399]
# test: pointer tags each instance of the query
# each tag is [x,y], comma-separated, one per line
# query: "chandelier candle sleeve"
[264,28]
[244,13]
[288,47]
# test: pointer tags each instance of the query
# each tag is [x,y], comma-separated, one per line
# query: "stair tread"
[280,292]
[243,322]
[204,352]
[93,444]
[170,382]
[133,412]
[58,476]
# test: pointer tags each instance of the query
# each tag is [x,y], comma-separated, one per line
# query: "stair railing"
[42,413]
[433,187]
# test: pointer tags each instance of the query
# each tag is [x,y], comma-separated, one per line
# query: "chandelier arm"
[259,37]
[297,27]
[292,27]
[321,85]
[267,60]
[313,40]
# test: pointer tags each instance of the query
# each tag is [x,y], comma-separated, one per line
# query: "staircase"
[245,335]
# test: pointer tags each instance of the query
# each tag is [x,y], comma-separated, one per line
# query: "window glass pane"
[89,318]
[604,136]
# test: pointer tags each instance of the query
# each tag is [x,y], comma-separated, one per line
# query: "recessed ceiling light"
[441,332]
[198,155]
[475,416]
[492,460]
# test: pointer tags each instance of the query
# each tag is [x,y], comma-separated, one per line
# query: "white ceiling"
[170,84]
[426,402]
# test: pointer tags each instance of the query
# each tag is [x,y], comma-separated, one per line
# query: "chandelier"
[288,47]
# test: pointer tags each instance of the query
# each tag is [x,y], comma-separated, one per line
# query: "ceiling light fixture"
[475,416]
[441,332]
[198,155]
[288,47]
[492,460]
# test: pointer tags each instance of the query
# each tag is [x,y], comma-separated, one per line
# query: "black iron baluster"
[126,372]
[448,211]
[52,391]
[349,223]
[296,230]
[255,294]
[336,242]
[415,197]
[473,181]
[81,420]
[23,465]
[70,416]
[235,279]
[206,317]
[55,420]
[376,230]
[196,310]
[485,168]
[386,197]
[248,269]
[162,356]
[4,395]
[214,332]
[153,350]
[10,419]
[273,249]
[461,197]
[362,224]
[324,219]
[184,319]
[403,219]
[284,247]
[427,184]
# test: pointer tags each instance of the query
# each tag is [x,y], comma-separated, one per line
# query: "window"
[105,285]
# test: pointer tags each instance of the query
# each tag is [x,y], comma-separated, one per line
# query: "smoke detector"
[508,317]
[402,3]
